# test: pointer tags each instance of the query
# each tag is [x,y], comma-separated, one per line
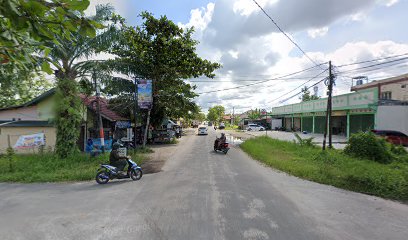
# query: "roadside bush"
[308,142]
[368,146]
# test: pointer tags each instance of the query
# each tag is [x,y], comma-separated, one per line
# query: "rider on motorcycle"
[116,160]
[220,141]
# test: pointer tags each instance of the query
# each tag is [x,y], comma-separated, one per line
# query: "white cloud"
[388,3]
[318,32]
[119,5]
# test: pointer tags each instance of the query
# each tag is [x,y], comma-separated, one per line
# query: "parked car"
[255,127]
[222,125]
[202,130]
[394,137]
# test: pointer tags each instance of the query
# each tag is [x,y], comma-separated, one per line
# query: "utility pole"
[329,110]
[135,114]
[98,109]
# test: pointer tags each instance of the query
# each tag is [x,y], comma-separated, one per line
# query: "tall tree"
[254,114]
[26,25]
[160,50]
[306,95]
[70,56]
[21,87]
[216,113]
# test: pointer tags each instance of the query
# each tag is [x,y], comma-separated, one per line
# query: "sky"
[251,49]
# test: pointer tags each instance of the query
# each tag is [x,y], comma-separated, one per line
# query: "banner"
[144,94]
[123,124]
[30,141]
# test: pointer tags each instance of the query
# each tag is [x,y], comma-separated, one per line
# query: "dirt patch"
[152,166]
[162,152]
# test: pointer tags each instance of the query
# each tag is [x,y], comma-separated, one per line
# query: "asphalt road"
[198,195]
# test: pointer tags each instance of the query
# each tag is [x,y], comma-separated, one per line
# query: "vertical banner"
[144,94]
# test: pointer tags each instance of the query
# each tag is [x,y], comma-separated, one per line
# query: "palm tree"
[70,56]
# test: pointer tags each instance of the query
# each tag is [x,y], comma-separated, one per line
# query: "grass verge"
[332,167]
[48,168]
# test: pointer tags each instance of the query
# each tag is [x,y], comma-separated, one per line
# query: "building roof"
[90,102]
[33,101]
[27,124]
[87,100]
[378,82]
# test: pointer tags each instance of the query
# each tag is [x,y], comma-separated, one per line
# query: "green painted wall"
[361,122]
[320,123]
[307,124]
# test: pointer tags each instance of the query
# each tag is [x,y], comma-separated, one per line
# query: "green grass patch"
[48,167]
[332,167]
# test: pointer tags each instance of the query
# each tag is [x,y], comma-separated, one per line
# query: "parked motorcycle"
[107,172]
[221,147]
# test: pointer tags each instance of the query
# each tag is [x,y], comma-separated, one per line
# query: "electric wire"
[252,84]
[284,33]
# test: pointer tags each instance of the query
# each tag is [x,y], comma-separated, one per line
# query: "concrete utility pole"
[98,107]
[329,110]
[233,116]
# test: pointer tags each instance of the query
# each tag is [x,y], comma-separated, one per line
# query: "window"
[386,95]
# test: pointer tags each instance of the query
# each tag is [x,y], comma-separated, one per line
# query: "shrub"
[368,146]
[308,142]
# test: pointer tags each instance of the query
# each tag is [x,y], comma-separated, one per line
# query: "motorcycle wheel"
[101,180]
[136,174]
[225,151]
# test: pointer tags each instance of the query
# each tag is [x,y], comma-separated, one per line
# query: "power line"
[247,85]
[307,88]
[374,65]
[372,60]
[284,33]
[299,86]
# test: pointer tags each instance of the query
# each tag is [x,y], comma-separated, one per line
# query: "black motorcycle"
[107,172]
[221,147]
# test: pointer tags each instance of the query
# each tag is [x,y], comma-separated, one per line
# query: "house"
[36,116]
[374,105]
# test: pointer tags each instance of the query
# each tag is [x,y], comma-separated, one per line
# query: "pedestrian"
[178,132]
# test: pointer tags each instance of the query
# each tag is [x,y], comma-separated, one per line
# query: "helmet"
[115,146]
[222,134]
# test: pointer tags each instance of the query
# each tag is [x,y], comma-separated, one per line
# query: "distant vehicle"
[209,124]
[202,130]
[394,137]
[255,127]
[222,126]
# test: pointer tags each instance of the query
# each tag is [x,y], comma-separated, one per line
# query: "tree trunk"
[68,116]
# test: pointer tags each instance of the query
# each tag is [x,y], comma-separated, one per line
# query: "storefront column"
[313,127]
[301,123]
[293,122]
[348,125]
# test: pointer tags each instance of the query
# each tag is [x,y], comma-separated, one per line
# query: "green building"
[352,112]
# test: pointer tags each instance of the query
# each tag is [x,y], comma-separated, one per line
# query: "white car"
[202,130]
[255,127]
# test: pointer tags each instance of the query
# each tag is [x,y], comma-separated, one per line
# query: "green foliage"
[27,25]
[68,118]
[368,146]
[254,114]
[216,113]
[332,167]
[306,95]
[160,50]
[21,86]
[10,156]
[49,168]
[304,142]
[398,150]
